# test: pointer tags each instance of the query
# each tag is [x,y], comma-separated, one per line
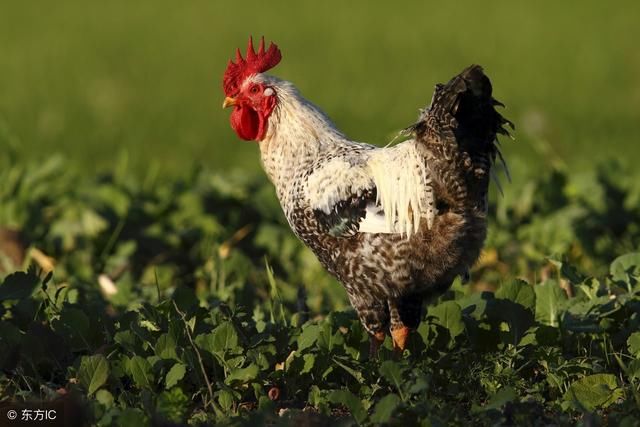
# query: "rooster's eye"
[254,89]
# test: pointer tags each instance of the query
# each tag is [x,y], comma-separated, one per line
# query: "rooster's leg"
[373,314]
[405,314]
[399,331]
[375,342]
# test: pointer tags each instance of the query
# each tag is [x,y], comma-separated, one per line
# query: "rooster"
[395,225]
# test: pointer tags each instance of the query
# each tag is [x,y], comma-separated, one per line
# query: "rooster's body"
[394,225]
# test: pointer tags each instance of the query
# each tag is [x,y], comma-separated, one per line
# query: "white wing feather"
[334,181]
[375,221]
[403,187]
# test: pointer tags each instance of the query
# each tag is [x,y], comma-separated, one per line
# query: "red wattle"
[246,122]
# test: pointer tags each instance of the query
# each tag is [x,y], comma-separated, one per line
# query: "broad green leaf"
[357,375]
[126,339]
[223,339]
[309,362]
[449,315]
[260,355]
[308,337]
[529,338]
[166,347]
[633,369]
[594,392]
[327,372]
[327,339]
[514,319]
[502,396]
[18,285]
[567,271]
[242,375]
[420,384]
[384,408]
[425,332]
[475,304]
[519,292]
[315,396]
[351,401]
[225,400]
[550,298]
[141,372]
[514,304]
[392,372]
[93,372]
[633,342]
[105,398]
[175,374]
[625,264]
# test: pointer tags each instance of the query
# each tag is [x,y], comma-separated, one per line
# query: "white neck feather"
[296,135]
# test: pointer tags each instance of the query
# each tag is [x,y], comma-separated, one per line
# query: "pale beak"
[229,102]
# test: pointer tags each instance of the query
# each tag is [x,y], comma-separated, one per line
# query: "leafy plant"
[160,307]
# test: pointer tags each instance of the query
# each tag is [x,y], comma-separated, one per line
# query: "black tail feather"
[463,111]
[462,125]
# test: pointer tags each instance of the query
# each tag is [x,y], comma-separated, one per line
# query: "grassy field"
[148,276]
[98,80]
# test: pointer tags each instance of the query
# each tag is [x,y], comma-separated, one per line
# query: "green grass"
[95,80]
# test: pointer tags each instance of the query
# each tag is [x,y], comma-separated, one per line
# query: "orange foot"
[399,336]
[375,341]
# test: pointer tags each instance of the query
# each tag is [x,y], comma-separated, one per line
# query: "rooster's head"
[251,97]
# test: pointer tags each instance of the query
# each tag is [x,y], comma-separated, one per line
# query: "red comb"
[259,62]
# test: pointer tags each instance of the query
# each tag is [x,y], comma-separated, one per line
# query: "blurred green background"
[97,81]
